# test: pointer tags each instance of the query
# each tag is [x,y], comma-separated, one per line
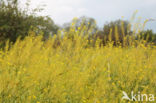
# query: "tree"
[15,21]
[84,24]
[148,35]
[115,31]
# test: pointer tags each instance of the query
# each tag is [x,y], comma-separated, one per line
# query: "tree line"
[17,22]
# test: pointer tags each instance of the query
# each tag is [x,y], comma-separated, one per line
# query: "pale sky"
[62,11]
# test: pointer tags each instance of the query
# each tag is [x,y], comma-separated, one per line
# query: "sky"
[63,11]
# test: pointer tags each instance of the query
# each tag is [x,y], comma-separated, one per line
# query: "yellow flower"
[34,97]
[29,97]
[19,73]
[113,84]
[9,96]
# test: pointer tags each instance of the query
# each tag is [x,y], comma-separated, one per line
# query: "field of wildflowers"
[35,71]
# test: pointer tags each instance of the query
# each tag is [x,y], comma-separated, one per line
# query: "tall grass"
[70,70]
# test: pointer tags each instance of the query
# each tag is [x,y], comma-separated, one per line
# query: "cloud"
[63,11]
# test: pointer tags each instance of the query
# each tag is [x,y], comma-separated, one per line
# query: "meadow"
[77,62]
[35,71]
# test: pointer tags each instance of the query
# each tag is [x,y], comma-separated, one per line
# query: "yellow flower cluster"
[34,71]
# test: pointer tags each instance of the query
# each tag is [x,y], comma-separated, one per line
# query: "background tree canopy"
[16,21]
[87,22]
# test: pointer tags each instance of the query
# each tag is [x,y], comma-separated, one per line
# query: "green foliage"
[82,23]
[32,71]
[16,21]
[115,31]
[148,35]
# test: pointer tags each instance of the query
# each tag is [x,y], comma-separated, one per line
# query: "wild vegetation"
[79,63]
[33,71]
